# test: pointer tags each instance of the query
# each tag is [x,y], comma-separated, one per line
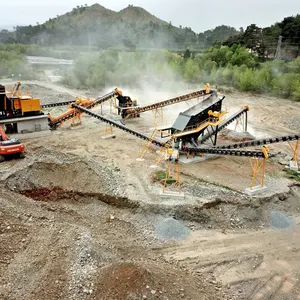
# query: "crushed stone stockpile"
[144,280]
[171,229]
[293,123]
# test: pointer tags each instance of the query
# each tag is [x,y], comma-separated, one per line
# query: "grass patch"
[160,176]
[294,175]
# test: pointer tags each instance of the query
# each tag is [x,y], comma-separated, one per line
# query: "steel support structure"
[147,145]
[295,148]
[172,179]
[163,150]
[241,122]
[108,130]
[76,120]
[158,116]
[258,166]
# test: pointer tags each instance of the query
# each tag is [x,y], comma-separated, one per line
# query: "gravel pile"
[279,220]
[293,123]
[236,136]
[82,267]
[171,229]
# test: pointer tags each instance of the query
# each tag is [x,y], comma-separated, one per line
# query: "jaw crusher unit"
[193,123]
[127,110]
[15,103]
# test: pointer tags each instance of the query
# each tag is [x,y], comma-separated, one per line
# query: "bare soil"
[78,215]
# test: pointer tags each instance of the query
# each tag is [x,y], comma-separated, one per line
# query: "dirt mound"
[171,229]
[45,194]
[130,281]
[236,136]
[13,236]
[77,176]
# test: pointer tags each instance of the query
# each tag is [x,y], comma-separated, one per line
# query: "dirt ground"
[80,218]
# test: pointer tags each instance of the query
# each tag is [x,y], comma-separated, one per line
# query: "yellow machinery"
[27,106]
[19,104]
[214,114]
[207,88]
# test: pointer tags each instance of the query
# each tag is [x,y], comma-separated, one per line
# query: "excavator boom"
[3,136]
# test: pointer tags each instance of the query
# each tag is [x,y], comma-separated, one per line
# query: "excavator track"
[230,152]
[135,111]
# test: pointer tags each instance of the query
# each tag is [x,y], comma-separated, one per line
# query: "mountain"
[98,26]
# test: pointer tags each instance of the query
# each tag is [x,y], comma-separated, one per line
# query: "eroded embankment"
[78,182]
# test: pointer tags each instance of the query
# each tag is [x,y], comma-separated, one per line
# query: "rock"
[282,197]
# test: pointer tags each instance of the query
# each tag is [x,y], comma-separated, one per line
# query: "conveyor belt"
[97,101]
[117,125]
[57,104]
[70,114]
[225,123]
[193,95]
[102,99]
[261,142]
[248,153]
[228,152]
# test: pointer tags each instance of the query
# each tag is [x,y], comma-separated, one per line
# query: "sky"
[200,15]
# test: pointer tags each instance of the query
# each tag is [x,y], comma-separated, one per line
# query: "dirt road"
[258,264]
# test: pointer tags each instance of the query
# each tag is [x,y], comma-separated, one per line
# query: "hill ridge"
[94,25]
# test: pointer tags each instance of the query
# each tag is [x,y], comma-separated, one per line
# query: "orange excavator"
[10,148]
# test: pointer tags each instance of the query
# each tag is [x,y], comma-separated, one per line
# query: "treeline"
[228,66]
[263,41]
[13,62]
[36,50]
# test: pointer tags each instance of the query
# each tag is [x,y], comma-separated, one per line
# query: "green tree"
[187,54]
[192,71]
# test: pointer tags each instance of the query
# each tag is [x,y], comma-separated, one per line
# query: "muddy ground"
[80,218]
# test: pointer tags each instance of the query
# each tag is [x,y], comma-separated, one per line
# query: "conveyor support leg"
[173,175]
[295,148]
[258,171]
[147,145]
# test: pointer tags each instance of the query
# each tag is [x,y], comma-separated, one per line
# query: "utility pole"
[278,50]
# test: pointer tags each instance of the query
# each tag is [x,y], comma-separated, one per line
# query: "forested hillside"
[132,27]
[226,66]
[263,41]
